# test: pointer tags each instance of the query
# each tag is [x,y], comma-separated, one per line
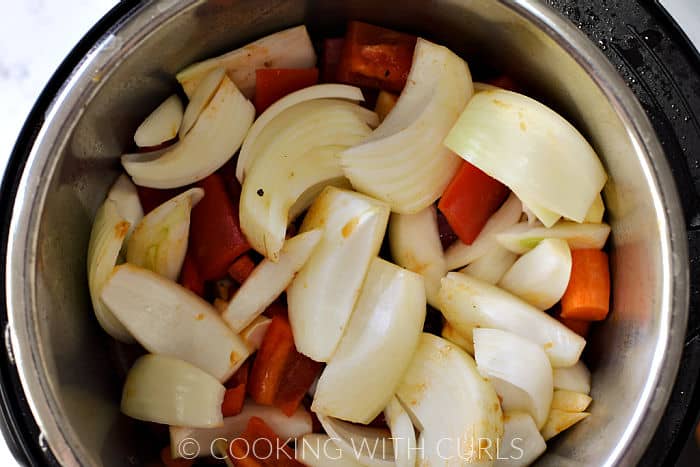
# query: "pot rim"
[134,25]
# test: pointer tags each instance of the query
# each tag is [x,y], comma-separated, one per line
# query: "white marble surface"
[35,35]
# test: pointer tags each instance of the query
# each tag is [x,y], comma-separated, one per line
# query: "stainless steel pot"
[65,362]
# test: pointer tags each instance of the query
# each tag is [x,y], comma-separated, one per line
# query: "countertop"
[35,35]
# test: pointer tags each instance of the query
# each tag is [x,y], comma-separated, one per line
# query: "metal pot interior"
[70,369]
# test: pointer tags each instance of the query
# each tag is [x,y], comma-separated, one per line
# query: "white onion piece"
[322,295]
[168,319]
[541,214]
[371,447]
[449,333]
[268,280]
[531,149]
[315,450]
[291,48]
[469,303]
[575,378]
[596,211]
[559,421]
[319,91]
[522,442]
[481,87]
[570,401]
[451,404]
[377,347]
[521,238]
[254,333]
[167,390]
[491,266]
[460,254]
[200,99]
[161,125]
[127,201]
[159,242]
[504,357]
[106,238]
[541,275]
[404,162]
[285,427]
[298,151]
[212,141]
[402,433]
[415,245]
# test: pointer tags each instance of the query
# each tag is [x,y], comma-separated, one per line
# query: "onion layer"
[522,442]
[491,266]
[377,347]
[161,125]
[166,390]
[559,421]
[522,238]
[575,378]
[200,99]
[403,162]
[370,446]
[127,201]
[402,433]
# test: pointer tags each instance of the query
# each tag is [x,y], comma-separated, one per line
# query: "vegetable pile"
[404,283]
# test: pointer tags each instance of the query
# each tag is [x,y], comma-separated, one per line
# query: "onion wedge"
[322,295]
[298,151]
[450,334]
[521,238]
[168,319]
[469,303]
[166,390]
[268,280]
[159,242]
[319,91]
[541,275]
[371,447]
[377,347]
[297,425]
[127,201]
[200,99]
[291,48]
[415,245]
[402,433]
[316,450]
[491,266]
[460,254]
[570,401]
[510,361]
[559,421]
[557,169]
[522,442]
[596,211]
[214,138]
[403,162]
[574,378]
[161,125]
[451,404]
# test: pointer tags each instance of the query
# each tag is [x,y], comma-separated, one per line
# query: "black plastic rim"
[618,27]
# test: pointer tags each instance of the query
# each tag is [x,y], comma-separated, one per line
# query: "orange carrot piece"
[241,269]
[259,446]
[587,297]
[578,326]
[234,398]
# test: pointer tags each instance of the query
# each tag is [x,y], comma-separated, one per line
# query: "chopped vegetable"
[596,211]
[518,369]
[286,427]
[241,269]
[269,280]
[190,277]
[331,51]
[541,275]
[254,333]
[377,347]
[161,125]
[247,452]
[159,242]
[491,266]
[447,399]
[587,296]
[216,239]
[522,442]
[299,152]
[575,378]
[403,161]
[273,84]
[281,375]
[415,245]
[370,446]
[316,450]
[291,48]
[570,401]
[559,421]
[469,303]
[403,434]
[201,98]
[126,197]
[233,400]
[375,57]
[217,134]
[166,390]
[322,91]
[461,254]
[521,238]
[470,200]
[323,294]
[531,149]
[450,334]
[144,301]
[386,101]
[578,326]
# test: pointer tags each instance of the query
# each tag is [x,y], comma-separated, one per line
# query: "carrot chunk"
[241,269]
[587,297]
[259,446]
[190,277]
[272,85]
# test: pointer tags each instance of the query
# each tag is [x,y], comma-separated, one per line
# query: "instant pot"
[60,380]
